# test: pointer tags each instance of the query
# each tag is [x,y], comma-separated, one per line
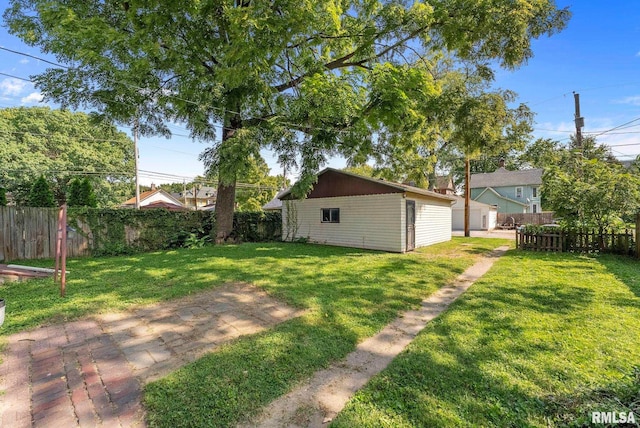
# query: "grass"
[541,340]
[306,276]
[350,294]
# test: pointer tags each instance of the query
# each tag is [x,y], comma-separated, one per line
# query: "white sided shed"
[350,210]
[481,216]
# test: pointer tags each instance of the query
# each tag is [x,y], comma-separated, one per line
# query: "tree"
[81,193]
[57,144]
[41,194]
[587,186]
[364,170]
[256,187]
[591,192]
[306,79]
[3,197]
[483,123]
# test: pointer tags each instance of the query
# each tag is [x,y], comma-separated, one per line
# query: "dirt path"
[90,372]
[319,400]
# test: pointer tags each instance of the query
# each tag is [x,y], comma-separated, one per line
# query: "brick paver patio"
[91,372]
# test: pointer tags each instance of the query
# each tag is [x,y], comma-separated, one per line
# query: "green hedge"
[126,231]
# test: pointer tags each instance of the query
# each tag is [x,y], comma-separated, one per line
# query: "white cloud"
[32,98]
[633,100]
[24,61]
[11,86]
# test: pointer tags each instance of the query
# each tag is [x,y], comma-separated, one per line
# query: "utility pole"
[135,149]
[184,192]
[284,177]
[579,120]
[467,194]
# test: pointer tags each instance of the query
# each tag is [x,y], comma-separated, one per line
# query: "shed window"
[331,215]
[518,192]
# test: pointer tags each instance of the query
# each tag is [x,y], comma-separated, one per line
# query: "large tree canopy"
[308,79]
[586,186]
[60,145]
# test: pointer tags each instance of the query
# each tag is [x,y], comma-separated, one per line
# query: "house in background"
[444,185]
[350,210]
[481,216]
[510,191]
[204,199]
[155,198]
[274,204]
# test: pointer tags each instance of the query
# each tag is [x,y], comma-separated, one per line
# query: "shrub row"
[126,231]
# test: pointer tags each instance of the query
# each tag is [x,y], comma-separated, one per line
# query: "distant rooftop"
[503,177]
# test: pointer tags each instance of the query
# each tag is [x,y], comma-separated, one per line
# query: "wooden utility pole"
[467,194]
[135,149]
[579,121]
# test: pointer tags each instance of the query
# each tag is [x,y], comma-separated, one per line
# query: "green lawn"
[332,280]
[541,340]
[350,294]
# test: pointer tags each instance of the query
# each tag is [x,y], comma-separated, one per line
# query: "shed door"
[411,225]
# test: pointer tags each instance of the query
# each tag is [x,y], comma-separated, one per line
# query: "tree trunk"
[467,195]
[226,197]
[225,205]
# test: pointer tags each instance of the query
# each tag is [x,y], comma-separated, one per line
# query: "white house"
[155,197]
[350,210]
[481,216]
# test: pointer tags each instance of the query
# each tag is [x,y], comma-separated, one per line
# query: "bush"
[41,194]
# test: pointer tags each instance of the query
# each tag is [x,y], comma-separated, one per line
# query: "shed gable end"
[332,184]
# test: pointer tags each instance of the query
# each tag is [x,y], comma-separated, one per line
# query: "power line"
[34,57]
[15,77]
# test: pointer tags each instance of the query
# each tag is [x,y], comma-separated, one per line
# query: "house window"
[518,192]
[534,208]
[534,192]
[331,215]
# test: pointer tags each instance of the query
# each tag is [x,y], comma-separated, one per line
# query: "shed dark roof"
[503,177]
[336,182]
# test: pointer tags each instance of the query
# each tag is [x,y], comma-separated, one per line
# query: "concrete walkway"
[319,400]
[91,372]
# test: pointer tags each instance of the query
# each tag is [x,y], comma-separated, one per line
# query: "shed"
[350,210]
[481,216]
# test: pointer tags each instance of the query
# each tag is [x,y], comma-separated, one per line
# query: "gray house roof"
[275,203]
[490,189]
[459,203]
[204,192]
[502,177]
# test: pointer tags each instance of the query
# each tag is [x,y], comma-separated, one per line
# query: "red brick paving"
[91,372]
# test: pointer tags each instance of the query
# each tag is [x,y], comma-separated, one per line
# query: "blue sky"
[598,56]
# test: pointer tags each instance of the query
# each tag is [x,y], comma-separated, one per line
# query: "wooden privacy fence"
[525,218]
[582,241]
[30,233]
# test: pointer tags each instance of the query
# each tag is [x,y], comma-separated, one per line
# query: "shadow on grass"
[574,410]
[233,383]
[494,356]
[301,275]
[626,269]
